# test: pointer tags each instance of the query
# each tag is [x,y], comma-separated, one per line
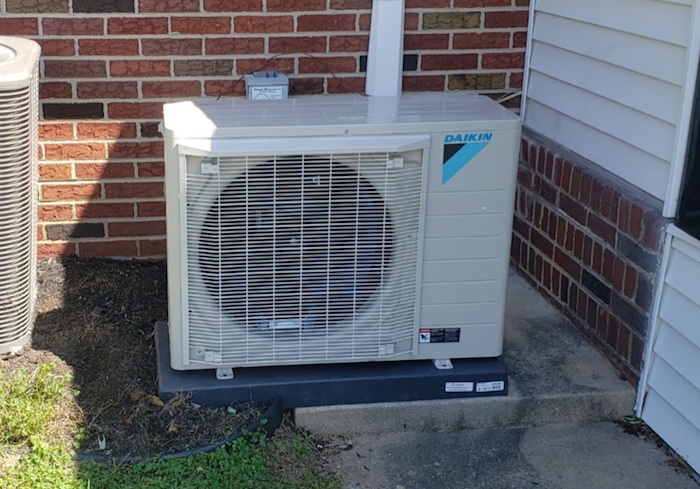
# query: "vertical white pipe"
[385,56]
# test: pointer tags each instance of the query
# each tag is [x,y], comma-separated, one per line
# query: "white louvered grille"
[300,259]
[18,177]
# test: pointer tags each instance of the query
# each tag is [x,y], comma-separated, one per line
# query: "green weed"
[246,464]
[33,456]
[28,402]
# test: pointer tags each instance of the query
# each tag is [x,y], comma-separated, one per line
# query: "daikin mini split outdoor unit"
[338,229]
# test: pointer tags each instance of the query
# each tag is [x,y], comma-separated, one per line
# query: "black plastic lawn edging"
[268,423]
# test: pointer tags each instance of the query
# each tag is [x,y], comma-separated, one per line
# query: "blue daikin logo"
[460,149]
[473,137]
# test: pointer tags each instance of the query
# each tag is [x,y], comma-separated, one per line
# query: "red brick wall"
[109,65]
[590,245]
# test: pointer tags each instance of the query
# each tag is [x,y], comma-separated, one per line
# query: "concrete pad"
[555,376]
[562,456]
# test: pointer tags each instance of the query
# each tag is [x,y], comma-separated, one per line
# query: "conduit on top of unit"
[385,55]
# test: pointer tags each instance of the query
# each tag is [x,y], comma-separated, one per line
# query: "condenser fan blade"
[294,244]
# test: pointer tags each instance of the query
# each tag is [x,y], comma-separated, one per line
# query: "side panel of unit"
[177,283]
[469,216]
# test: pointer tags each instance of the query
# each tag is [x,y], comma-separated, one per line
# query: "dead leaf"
[155,401]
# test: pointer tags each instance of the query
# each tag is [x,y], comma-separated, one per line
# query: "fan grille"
[18,168]
[298,258]
[305,245]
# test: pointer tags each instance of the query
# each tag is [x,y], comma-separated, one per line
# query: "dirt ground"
[95,319]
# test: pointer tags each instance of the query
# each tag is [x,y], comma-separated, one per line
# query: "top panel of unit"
[334,113]
[18,58]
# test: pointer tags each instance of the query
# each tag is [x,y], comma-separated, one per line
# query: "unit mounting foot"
[224,373]
[442,363]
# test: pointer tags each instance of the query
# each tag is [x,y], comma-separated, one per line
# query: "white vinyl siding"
[671,381]
[607,80]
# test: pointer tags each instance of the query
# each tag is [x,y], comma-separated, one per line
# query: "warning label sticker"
[423,336]
[438,335]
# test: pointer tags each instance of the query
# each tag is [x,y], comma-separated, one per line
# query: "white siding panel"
[677,359]
[639,54]
[650,18]
[684,275]
[672,367]
[622,86]
[632,164]
[606,79]
[647,133]
[686,245]
[681,435]
[675,310]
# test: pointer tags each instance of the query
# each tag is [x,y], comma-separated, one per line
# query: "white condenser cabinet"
[328,229]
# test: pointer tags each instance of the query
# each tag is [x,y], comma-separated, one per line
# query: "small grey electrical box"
[266,85]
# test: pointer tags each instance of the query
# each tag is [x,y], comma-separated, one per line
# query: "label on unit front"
[424,335]
[459,149]
[459,386]
[438,335]
[494,386]
[267,93]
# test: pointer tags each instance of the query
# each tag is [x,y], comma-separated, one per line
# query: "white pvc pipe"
[385,56]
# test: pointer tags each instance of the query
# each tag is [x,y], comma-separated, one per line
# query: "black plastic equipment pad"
[332,384]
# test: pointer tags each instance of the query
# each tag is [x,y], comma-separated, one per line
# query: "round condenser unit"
[19,61]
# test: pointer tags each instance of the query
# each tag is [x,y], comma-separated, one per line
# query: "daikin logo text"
[472,137]
[460,149]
